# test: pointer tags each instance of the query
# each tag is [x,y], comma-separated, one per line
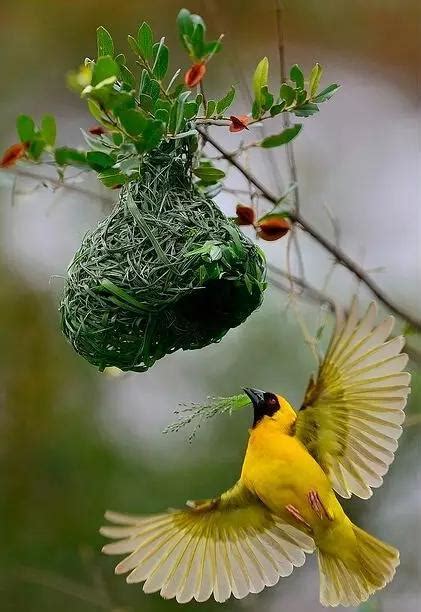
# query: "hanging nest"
[166,270]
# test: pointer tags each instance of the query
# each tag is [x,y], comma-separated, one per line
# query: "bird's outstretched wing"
[351,417]
[230,545]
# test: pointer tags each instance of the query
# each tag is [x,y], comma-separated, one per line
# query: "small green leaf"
[197,40]
[266,98]
[36,148]
[127,76]
[98,160]
[260,79]
[145,41]
[179,110]
[152,134]
[326,93]
[49,130]
[296,75]
[113,178]
[209,174]
[95,110]
[154,89]
[210,108]
[161,56]
[146,103]
[306,110]
[133,121]
[105,68]
[133,44]
[225,102]
[315,76]
[162,115]
[277,109]
[66,156]
[287,93]
[104,42]
[25,127]
[283,138]
[190,110]
[185,24]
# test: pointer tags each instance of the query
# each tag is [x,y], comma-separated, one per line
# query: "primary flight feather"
[343,439]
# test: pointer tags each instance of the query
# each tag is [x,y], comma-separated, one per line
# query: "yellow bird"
[343,439]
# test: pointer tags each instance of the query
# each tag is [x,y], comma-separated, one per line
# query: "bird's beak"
[256,396]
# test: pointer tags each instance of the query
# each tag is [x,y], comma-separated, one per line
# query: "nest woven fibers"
[166,270]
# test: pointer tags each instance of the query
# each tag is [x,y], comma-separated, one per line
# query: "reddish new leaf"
[195,74]
[13,154]
[97,130]
[239,123]
[245,215]
[273,227]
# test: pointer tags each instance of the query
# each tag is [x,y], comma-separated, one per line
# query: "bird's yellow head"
[269,407]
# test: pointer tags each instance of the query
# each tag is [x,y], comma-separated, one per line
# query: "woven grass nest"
[166,270]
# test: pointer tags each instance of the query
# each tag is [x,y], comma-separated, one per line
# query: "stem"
[339,255]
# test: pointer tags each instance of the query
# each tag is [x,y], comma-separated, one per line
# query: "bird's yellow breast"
[278,468]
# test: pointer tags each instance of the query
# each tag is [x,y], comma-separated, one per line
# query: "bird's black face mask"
[264,403]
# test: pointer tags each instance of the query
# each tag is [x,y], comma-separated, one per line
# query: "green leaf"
[95,110]
[152,134]
[277,109]
[210,108]
[66,156]
[197,40]
[127,76]
[161,56]
[178,109]
[209,174]
[266,98]
[98,160]
[296,75]
[190,110]
[225,102]
[113,178]
[105,68]
[133,121]
[49,130]
[315,76]
[306,110]
[145,41]
[146,103]
[260,79]
[25,127]
[287,93]
[326,93]
[185,24]
[283,138]
[36,148]
[162,115]
[105,43]
[133,44]
[154,89]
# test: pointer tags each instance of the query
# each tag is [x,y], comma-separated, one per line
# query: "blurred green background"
[74,442]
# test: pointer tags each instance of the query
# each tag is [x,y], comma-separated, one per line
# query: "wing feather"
[353,411]
[230,546]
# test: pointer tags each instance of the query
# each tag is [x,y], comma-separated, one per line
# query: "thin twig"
[20,172]
[339,255]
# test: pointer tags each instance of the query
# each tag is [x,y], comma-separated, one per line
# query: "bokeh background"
[74,442]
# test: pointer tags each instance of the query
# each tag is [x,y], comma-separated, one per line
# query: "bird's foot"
[318,507]
[297,515]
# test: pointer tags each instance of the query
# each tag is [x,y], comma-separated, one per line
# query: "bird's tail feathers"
[348,583]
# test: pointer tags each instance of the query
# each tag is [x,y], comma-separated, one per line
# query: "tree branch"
[338,254]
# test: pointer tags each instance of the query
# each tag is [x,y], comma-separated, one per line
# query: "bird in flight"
[284,505]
